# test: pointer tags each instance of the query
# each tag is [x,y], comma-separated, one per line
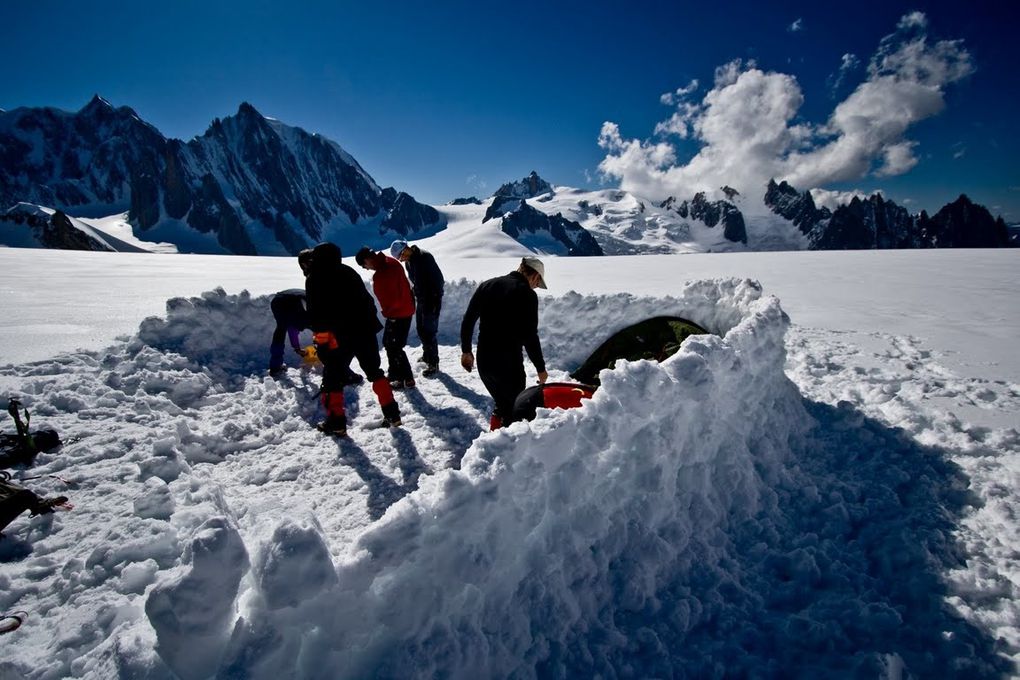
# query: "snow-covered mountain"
[533,211]
[542,218]
[248,185]
[26,225]
[875,222]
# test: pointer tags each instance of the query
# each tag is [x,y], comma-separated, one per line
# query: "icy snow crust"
[696,518]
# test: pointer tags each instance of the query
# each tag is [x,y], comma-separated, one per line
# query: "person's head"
[399,250]
[304,260]
[534,271]
[367,258]
[325,256]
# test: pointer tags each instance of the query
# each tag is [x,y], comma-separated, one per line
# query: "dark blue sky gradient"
[436,98]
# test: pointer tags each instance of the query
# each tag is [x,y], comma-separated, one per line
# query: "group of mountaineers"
[337,307]
[342,316]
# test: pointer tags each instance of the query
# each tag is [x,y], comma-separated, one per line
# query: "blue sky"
[451,99]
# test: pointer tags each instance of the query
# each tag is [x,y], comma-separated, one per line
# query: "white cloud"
[748,129]
[796,26]
[671,98]
[824,198]
[960,152]
[848,63]
[913,20]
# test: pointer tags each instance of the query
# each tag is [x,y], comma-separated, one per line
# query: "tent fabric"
[656,339]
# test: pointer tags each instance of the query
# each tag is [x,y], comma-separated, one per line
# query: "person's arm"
[293,333]
[532,345]
[434,277]
[467,330]
[315,305]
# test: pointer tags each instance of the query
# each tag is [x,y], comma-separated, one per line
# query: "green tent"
[656,338]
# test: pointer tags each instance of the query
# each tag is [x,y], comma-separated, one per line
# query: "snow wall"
[571,545]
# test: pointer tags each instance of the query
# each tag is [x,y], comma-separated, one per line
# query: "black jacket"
[507,309]
[336,297]
[426,278]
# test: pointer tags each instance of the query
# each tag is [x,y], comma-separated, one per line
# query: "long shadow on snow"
[480,401]
[842,569]
[411,465]
[382,491]
[455,427]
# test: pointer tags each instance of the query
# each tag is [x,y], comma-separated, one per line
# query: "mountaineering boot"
[334,425]
[391,415]
[336,418]
[430,370]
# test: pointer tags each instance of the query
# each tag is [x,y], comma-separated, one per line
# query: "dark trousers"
[336,362]
[427,324]
[502,373]
[394,340]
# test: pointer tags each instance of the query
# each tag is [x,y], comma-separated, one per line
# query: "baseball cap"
[537,265]
[396,248]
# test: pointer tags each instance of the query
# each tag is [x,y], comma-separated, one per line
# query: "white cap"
[537,265]
[396,248]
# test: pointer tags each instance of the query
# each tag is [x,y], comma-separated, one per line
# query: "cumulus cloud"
[749,132]
[796,26]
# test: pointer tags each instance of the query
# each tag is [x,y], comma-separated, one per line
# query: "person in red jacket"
[393,291]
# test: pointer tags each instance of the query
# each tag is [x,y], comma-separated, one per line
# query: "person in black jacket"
[507,309]
[288,307]
[342,316]
[427,280]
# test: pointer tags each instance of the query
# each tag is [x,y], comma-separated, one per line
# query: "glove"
[325,340]
[467,360]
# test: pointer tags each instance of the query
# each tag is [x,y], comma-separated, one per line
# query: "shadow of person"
[411,465]
[13,548]
[481,402]
[456,428]
[382,490]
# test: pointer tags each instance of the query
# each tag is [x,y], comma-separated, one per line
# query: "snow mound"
[696,518]
[228,335]
[555,539]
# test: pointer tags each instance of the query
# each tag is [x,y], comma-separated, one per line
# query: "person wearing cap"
[427,282]
[393,291]
[342,316]
[506,311]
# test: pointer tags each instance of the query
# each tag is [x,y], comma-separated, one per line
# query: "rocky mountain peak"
[529,187]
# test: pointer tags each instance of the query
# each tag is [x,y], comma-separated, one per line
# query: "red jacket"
[393,290]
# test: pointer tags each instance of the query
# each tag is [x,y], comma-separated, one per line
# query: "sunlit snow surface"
[828,498]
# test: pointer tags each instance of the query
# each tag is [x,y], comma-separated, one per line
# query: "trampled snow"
[805,493]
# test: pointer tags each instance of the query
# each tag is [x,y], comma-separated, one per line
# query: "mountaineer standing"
[506,309]
[427,282]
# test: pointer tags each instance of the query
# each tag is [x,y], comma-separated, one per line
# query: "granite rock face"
[247,176]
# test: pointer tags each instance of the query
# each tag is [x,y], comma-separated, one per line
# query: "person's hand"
[542,377]
[300,352]
[467,360]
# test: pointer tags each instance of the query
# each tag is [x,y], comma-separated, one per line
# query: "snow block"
[294,564]
[193,612]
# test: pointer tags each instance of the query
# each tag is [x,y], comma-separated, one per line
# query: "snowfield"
[826,487]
